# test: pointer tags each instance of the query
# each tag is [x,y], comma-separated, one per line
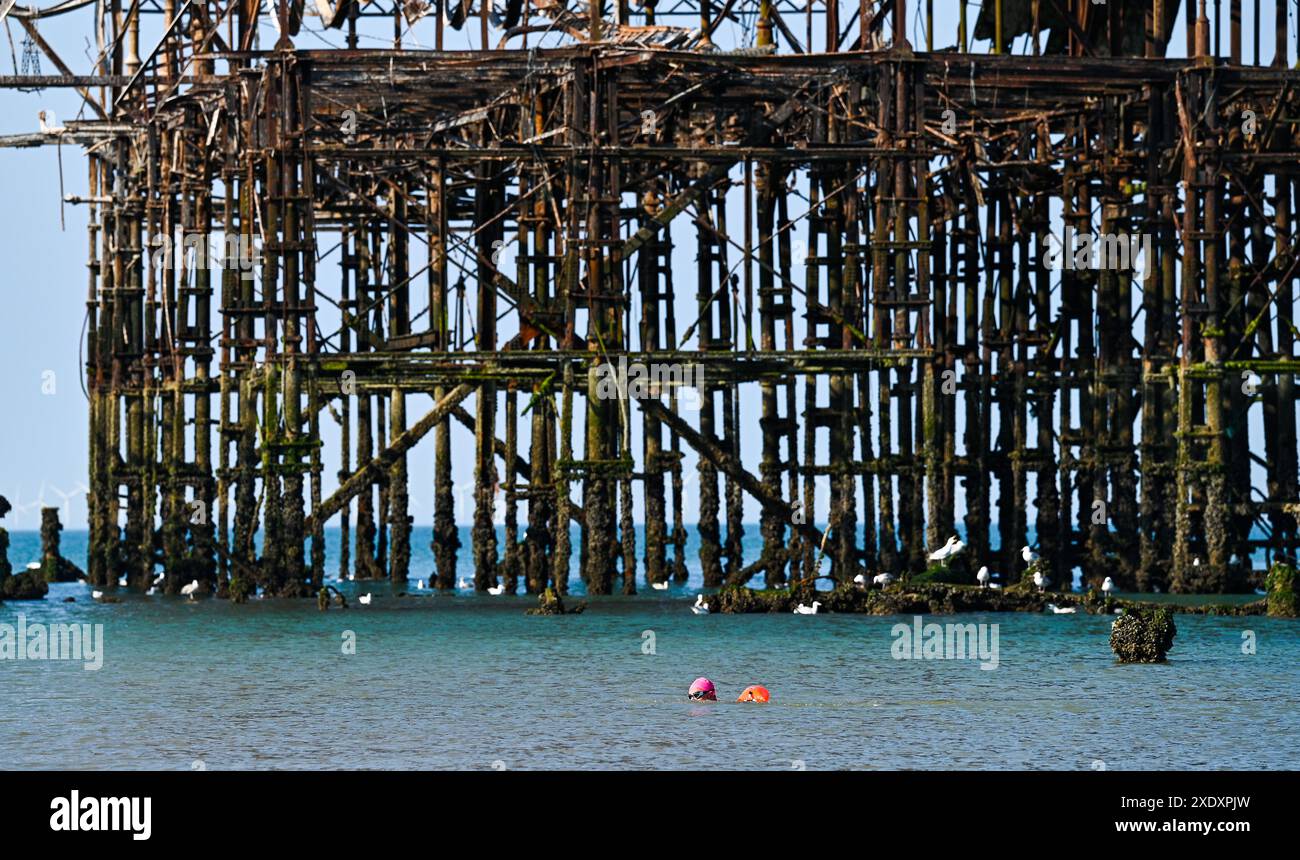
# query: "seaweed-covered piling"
[916,286]
[54,567]
[1281,589]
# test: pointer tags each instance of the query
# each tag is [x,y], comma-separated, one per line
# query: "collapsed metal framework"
[922,346]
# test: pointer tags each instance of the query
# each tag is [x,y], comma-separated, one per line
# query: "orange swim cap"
[755,693]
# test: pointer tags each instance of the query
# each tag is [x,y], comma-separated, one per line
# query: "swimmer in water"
[755,693]
[702,690]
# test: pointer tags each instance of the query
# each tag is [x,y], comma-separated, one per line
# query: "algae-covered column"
[1154,522]
[367,323]
[910,289]
[136,379]
[725,302]
[399,316]
[616,288]
[54,567]
[101,499]
[771,524]
[512,561]
[1200,544]
[446,536]
[707,473]
[485,476]
[563,545]
[1047,526]
[653,265]
[202,508]
[975,478]
[881,340]
[346,387]
[295,250]
[1217,517]
[537,269]
[604,342]
[838,215]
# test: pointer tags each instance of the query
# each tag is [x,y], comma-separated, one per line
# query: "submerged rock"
[1143,635]
[910,598]
[330,596]
[28,585]
[550,603]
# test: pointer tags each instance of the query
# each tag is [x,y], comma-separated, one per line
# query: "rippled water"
[469,681]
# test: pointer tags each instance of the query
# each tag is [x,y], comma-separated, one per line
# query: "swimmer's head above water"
[702,689]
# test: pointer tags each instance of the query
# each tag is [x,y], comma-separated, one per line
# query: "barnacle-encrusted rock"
[54,567]
[1143,635]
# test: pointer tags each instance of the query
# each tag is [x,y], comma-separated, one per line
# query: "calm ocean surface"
[468,681]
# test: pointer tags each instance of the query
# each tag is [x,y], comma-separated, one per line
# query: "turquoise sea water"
[468,681]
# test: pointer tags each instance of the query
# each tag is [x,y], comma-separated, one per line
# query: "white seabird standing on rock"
[982,577]
[949,550]
[700,607]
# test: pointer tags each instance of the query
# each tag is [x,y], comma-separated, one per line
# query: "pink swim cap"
[702,688]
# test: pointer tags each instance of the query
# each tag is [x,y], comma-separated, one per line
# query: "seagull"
[1107,586]
[882,579]
[700,607]
[983,576]
[660,586]
[497,590]
[1028,555]
[462,583]
[364,599]
[808,610]
[859,580]
[188,590]
[95,595]
[1196,562]
[1040,580]
[948,550]
[122,581]
[48,128]
[1056,610]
